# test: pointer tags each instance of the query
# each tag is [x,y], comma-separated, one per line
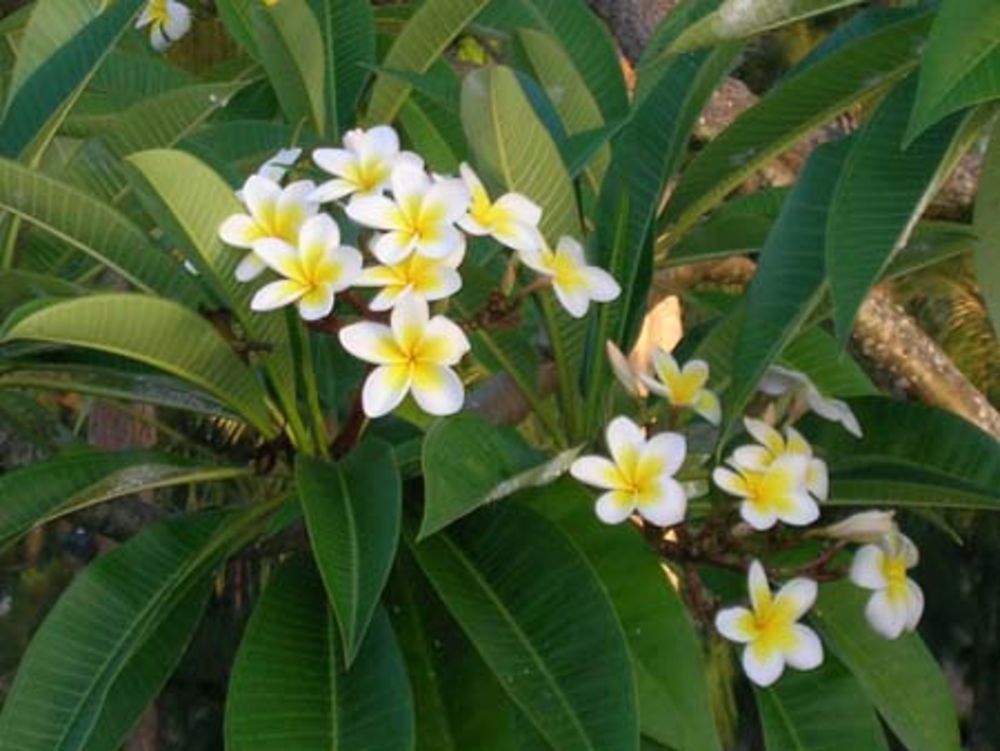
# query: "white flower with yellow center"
[770,628]
[775,493]
[414,354]
[771,445]
[684,387]
[427,278]
[639,477]
[420,218]
[364,166]
[313,272]
[512,219]
[575,283]
[778,381]
[275,168]
[167,20]
[272,212]
[898,601]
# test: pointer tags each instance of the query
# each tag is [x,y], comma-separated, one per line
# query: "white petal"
[380,142]
[276,295]
[371,342]
[572,248]
[536,260]
[765,435]
[732,622]
[408,159]
[867,567]
[886,616]
[759,519]
[320,231]
[624,437]
[762,668]
[239,230]
[517,235]
[707,405]
[818,479]
[335,161]
[384,389]
[797,596]
[611,510]
[332,190]
[729,481]
[601,285]
[596,471]
[261,197]
[438,390]
[915,606]
[392,247]
[278,255]
[377,212]
[317,304]
[178,21]
[807,653]
[757,586]
[669,448]
[450,196]
[409,318]
[523,208]
[752,456]
[668,508]
[250,268]
[350,262]
[622,369]
[803,511]
[904,547]
[575,302]
[446,338]
[408,183]
[449,240]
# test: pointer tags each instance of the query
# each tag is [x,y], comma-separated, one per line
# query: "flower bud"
[863,527]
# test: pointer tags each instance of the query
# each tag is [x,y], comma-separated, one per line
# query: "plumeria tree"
[390,277]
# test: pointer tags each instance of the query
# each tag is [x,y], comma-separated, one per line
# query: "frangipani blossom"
[661,329]
[427,278]
[771,445]
[167,20]
[365,164]
[273,212]
[275,168]
[778,381]
[512,219]
[684,387]
[639,477]
[415,353]
[419,218]
[575,283]
[770,628]
[313,272]
[776,493]
[864,526]
[898,601]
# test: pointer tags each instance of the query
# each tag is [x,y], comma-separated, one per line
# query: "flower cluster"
[414,227]
[776,477]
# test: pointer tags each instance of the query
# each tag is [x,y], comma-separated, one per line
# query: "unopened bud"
[863,527]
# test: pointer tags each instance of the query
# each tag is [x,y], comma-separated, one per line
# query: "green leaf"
[910,454]
[352,510]
[739,19]
[987,229]
[900,677]
[159,333]
[818,710]
[670,671]
[67,483]
[425,36]
[63,45]
[95,228]
[832,369]
[238,16]
[113,638]
[860,68]
[467,463]
[189,201]
[290,688]
[292,52]
[961,63]
[790,277]
[421,121]
[348,30]
[541,620]
[881,192]
[582,34]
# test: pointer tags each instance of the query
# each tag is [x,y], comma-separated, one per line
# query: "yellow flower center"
[566,272]
[158,12]
[371,174]
[894,570]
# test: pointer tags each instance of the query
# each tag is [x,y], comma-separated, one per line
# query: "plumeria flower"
[364,166]
[775,493]
[427,278]
[415,353]
[275,168]
[512,219]
[167,20]
[864,526]
[273,212]
[770,628]
[420,218]
[684,387]
[898,601]
[313,272]
[661,329]
[778,381]
[639,477]
[575,283]
[771,445]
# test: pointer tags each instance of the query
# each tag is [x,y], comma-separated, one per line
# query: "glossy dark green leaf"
[987,229]
[901,677]
[348,29]
[291,689]
[352,510]
[881,192]
[670,671]
[541,620]
[910,454]
[467,463]
[818,710]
